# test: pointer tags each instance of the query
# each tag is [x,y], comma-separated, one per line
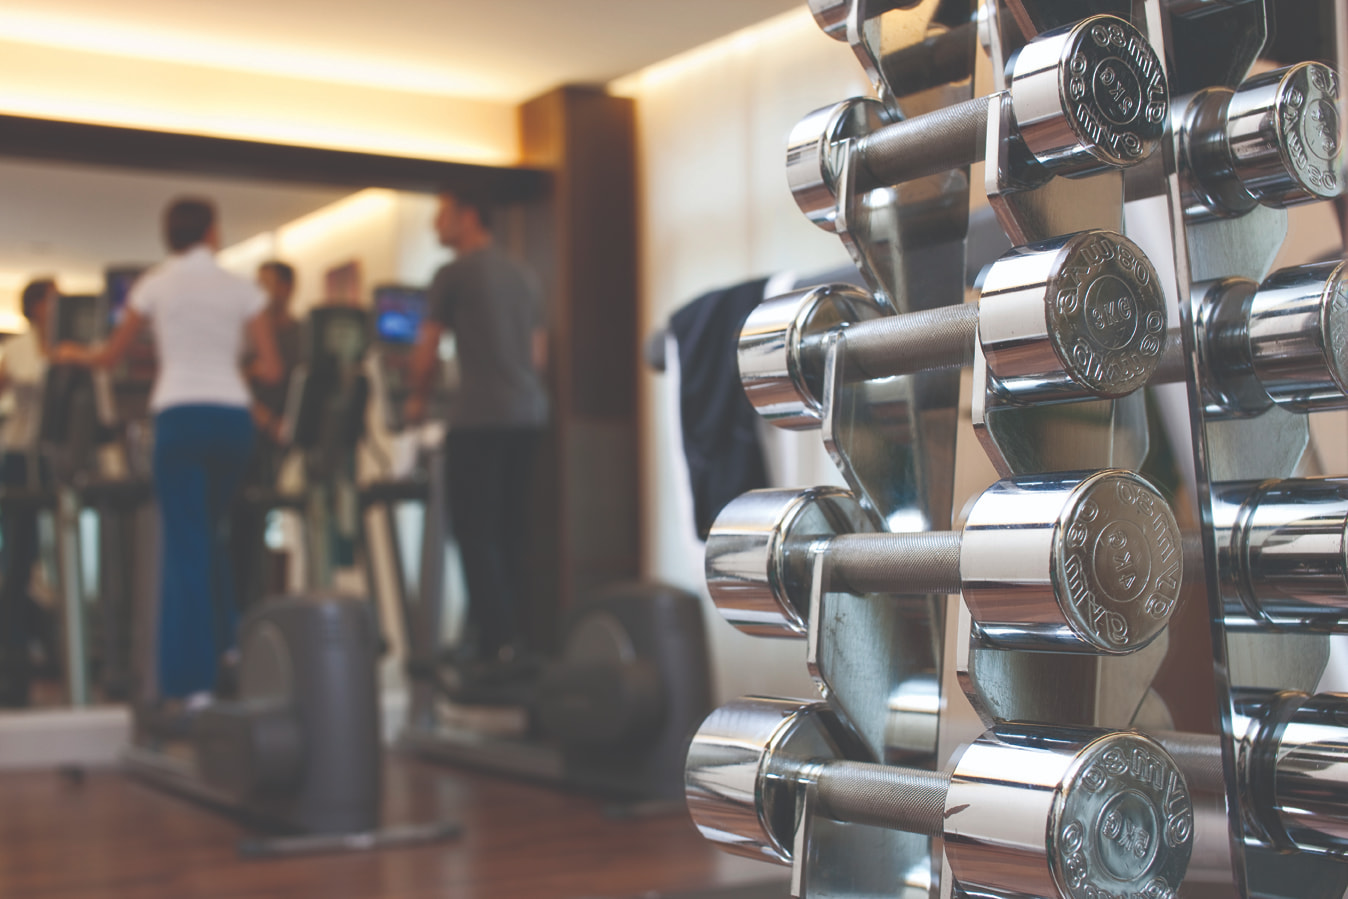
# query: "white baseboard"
[50,738]
[94,737]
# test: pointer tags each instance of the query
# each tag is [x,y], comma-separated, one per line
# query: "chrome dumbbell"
[1275,140]
[1292,757]
[1286,549]
[1074,317]
[1027,811]
[1062,562]
[1284,341]
[1086,97]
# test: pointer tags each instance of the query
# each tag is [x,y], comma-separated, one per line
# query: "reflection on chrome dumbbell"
[1292,749]
[1286,549]
[1027,811]
[1275,140]
[1059,562]
[1084,98]
[1073,317]
[1284,341]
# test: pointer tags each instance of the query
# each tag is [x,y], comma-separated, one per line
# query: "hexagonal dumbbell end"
[1276,140]
[1075,563]
[1027,811]
[1075,317]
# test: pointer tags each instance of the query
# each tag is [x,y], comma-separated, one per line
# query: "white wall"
[712,129]
[388,232]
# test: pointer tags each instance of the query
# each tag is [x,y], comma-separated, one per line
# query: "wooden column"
[582,240]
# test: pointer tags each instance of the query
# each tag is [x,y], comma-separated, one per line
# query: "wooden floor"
[109,837]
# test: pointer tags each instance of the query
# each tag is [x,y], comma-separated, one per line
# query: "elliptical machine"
[612,713]
[298,750]
[88,421]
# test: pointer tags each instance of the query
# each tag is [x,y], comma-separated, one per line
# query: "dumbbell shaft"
[935,142]
[913,341]
[907,799]
[944,337]
[883,563]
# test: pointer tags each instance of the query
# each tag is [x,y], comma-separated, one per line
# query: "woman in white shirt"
[200,315]
[23,369]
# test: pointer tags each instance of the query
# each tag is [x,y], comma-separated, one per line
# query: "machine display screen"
[398,312]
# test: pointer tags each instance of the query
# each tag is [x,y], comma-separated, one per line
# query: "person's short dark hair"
[283,271]
[187,221]
[468,199]
[36,291]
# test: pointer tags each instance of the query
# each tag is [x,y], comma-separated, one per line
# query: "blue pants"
[200,454]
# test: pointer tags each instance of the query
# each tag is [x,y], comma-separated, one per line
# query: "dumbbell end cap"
[1118,562]
[1090,96]
[1106,314]
[743,765]
[1286,136]
[757,559]
[781,360]
[1123,821]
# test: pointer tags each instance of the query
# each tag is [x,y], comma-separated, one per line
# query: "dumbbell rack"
[1224,687]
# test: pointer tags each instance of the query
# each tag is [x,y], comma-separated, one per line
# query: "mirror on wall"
[93,228]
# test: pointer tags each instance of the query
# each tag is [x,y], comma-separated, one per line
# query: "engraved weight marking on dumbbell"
[1083,98]
[1130,826]
[1274,140]
[1045,321]
[1123,558]
[1121,88]
[1077,316]
[1338,319]
[1096,314]
[1111,811]
[1311,123]
[1070,563]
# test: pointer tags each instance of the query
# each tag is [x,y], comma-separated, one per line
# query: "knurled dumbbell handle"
[914,564]
[944,337]
[933,142]
[913,341]
[1199,756]
[1174,365]
[907,799]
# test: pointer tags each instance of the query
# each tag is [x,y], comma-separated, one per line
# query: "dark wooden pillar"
[582,239]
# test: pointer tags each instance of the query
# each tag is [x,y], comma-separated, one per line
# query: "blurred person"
[493,305]
[277,280]
[204,434]
[23,371]
[254,568]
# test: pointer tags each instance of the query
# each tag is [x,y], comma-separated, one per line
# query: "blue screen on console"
[398,312]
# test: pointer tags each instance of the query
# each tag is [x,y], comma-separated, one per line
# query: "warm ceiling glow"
[740,42]
[243,257]
[350,212]
[145,41]
[180,119]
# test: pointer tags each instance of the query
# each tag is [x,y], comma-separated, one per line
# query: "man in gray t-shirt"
[493,306]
